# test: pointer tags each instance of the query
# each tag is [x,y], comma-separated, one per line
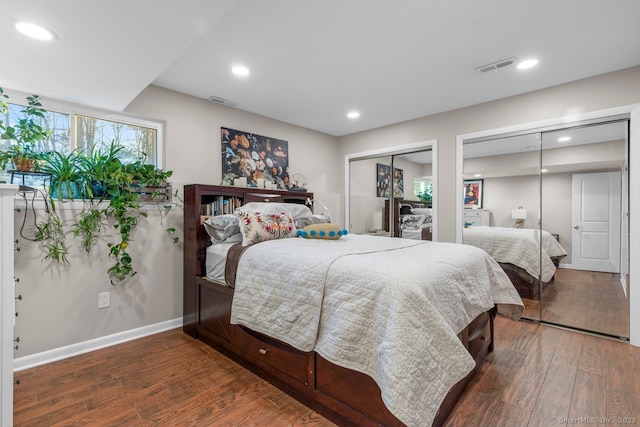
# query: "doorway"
[596,202]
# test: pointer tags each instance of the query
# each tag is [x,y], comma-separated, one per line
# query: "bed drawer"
[480,336]
[273,353]
[478,322]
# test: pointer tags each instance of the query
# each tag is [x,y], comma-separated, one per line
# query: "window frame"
[73,109]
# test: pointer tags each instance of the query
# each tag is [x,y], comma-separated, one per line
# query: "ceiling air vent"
[496,65]
[222,101]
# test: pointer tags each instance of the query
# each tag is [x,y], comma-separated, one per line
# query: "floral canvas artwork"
[252,156]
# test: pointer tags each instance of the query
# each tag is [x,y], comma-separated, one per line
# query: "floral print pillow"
[259,227]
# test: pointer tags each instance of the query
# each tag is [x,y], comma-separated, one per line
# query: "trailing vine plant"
[108,186]
[51,234]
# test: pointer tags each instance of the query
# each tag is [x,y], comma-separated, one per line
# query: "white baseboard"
[65,352]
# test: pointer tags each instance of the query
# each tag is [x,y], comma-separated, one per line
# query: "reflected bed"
[519,253]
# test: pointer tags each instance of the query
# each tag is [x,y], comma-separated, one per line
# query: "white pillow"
[313,219]
[296,210]
[223,228]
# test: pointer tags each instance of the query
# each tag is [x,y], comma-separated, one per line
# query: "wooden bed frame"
[525,284]
[344,396]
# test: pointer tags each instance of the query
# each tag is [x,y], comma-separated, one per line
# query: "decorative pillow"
[322,231]
[223,228]
[259,227]
[296,210]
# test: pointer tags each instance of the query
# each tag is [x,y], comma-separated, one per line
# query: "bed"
[518,252]
[417,224]
[352,327]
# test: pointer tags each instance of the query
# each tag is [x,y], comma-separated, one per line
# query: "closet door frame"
[391,151]
[632,111]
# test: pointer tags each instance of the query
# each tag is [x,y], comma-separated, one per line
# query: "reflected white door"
[596,222]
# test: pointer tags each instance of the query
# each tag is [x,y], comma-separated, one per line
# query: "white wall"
[363,194]
[59,305]
[193,149]
[501,195]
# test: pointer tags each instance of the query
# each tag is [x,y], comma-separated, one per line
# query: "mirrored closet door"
[502,206]
[392,195]
[584,183]
[551,207]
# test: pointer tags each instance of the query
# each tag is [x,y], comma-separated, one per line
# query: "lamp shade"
[519,213]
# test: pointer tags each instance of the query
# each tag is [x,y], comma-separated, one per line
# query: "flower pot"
[24,164]
[97,189]
[152,194]
[66,190]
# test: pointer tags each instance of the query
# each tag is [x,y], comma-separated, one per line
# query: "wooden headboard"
[202,200]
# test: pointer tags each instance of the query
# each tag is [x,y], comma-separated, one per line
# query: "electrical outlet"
[104,299]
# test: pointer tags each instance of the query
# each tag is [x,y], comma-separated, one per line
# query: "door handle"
[576,227]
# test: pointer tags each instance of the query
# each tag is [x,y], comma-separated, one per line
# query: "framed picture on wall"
[251,156]
[384,181]
[473,193]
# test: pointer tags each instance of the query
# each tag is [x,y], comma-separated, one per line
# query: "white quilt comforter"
[517,246]
[391,308]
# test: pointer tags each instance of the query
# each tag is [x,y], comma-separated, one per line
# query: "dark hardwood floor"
[536,376]
[584,299]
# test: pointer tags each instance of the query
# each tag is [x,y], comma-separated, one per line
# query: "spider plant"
[66,178]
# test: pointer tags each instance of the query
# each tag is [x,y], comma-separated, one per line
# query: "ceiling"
[527,142]
[312,62]
[533,153]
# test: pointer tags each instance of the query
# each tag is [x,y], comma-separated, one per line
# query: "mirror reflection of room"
[392,195]
[550,208]
[585,196]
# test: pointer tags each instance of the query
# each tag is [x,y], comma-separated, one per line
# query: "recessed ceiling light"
[478,175]
[544,170]
[523,65]
[564,139]
[240,70]
[353,114]
[34,31]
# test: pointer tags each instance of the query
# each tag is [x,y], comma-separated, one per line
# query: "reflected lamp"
[519,215]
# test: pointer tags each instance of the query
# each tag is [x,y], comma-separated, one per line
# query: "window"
[139,142]
[423,188]
[58,123]
[140,138]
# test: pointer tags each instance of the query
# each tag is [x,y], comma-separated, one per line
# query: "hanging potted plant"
[125,187]
[23,134]
[148,183]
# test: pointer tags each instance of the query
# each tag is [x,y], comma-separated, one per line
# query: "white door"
[596,222]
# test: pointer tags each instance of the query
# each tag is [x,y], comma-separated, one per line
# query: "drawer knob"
[263,351]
